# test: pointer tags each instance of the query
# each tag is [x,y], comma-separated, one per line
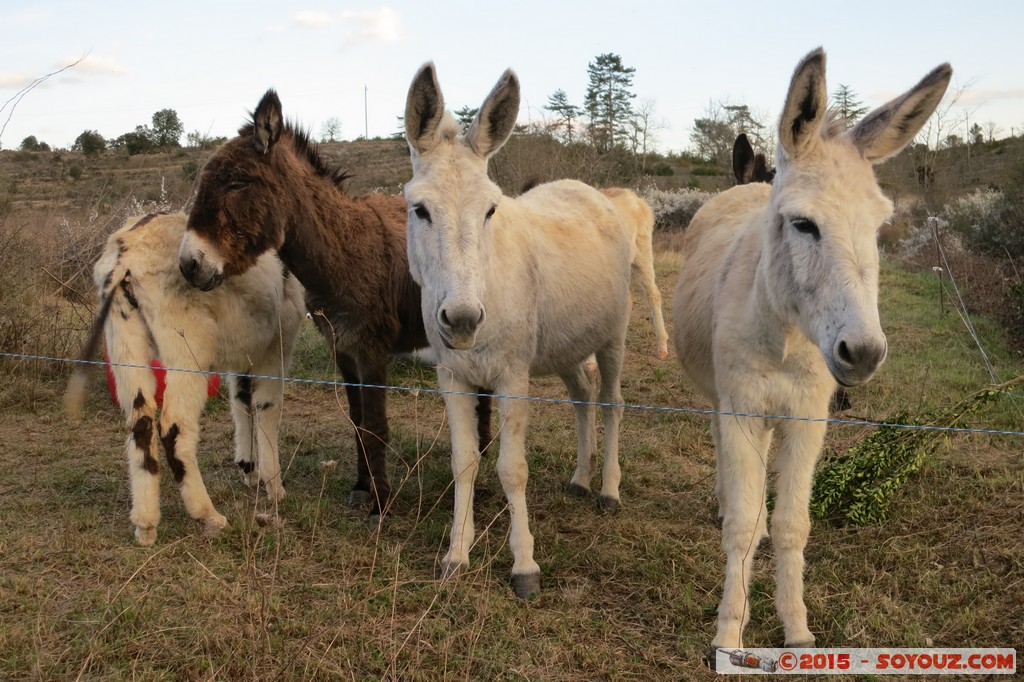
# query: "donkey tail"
[74,395]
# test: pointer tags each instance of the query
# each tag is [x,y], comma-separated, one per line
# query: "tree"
[607,100]
[465,116]
[642,129]
[31,144]
[714,134]
[976,134]
[90,143]
[139,141]
[846,103]
[558,104]
[992,130]
[167,129]
[331,130]
[200,140]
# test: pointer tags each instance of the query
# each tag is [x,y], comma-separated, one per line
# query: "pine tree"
[607,100]
[846,103]
[558,104]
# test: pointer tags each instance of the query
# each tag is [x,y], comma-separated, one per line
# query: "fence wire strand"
[538,399]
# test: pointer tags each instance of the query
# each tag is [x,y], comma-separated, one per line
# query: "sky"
[212,61]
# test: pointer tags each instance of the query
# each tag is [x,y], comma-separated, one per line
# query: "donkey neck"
[321,243]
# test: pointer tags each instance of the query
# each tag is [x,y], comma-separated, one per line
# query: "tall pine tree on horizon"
[608,100]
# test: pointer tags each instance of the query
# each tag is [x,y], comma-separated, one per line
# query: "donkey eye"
[490,213]
[421,212]
[806,226]
[236,186]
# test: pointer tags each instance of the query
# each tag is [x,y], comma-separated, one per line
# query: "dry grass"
[308,591]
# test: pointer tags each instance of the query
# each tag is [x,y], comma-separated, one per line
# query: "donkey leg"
[240,390]
[373,433]
[267,400]
[643,271]
[128,344]
[581,392]
[716,440]
[184,399]
[513,474]
[744,448]
[609,360]
[483,417]
[143,456]
[800,445]
[360,495]
[465,463]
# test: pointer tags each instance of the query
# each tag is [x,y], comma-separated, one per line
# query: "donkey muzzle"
[854,361]
[458,324]
[198,272]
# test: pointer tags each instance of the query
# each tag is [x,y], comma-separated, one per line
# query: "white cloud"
[984,96]
[314,19]
[14,81]
[92,64]
[380,25]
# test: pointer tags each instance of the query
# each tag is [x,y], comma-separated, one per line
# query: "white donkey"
[148,310]
[777,301]
[638,218]
[511,287]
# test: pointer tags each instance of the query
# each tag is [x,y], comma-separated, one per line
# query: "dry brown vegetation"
[308,591]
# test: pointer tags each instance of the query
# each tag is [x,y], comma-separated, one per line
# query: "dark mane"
[305,147]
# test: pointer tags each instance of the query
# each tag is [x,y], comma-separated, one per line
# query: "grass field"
[308,590]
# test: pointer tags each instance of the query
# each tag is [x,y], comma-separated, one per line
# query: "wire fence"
[537,399]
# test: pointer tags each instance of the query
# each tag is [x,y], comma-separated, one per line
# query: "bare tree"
[713,134]
[642,129]
[330,131]
[991,130]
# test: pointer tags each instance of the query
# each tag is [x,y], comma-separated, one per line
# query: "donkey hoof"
[249,473]
[576,490]
[607,505]
[526,586]
[275,493]
[713,658]
[800,645]
[213,525]
[145,536]
[450,569]
[374,522]
[359,499]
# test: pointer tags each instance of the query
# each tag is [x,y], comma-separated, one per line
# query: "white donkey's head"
[821,251]
[452,202]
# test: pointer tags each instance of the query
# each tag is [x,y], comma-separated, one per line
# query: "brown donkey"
[269,188]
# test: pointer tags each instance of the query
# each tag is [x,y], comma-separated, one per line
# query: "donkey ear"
[267,122]
[742,160]
[496,118]
[889,128]
[424,108]
[804,113]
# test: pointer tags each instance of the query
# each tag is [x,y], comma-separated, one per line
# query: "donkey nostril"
[444,318]
[188,267]
[844,353]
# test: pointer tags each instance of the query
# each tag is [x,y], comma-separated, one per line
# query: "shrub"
[674,210]
[75,172]
[190,169]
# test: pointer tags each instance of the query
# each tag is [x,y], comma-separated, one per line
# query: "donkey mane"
[306,148]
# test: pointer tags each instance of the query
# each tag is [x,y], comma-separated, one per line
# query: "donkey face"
[453,205]
[240,208]
[827,207]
